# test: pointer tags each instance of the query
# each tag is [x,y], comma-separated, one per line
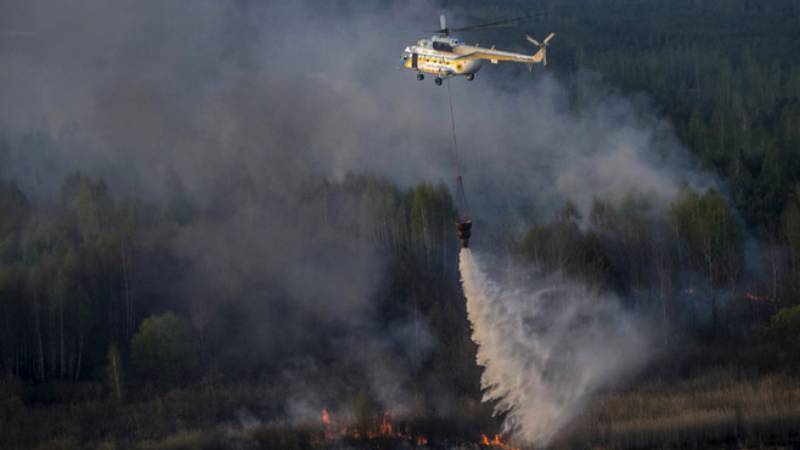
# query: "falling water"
[546,345]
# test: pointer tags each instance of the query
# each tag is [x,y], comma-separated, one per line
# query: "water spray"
[546,345]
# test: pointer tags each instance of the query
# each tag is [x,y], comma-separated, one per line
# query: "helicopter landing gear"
[470,76]
[438,81]
[420,76]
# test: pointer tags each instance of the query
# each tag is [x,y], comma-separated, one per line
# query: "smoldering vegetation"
[220,218]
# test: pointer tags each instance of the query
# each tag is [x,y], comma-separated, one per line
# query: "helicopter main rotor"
[445,31]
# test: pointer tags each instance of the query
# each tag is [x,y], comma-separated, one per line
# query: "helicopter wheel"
[438,81]
[420,76]
[470,76]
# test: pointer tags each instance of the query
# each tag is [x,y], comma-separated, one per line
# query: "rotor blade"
[15,33]
[549,38]
[489,25]
[533,41]
[442,22]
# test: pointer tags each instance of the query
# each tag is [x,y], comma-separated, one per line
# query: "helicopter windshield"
[442,46]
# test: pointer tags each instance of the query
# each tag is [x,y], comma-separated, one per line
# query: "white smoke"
[546,345]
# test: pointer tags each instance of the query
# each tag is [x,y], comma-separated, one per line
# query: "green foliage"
[785,324]
[165,349]
[562,246]
[711,232]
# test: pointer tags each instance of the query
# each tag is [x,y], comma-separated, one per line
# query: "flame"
[326,417]
[496,442]
[326,424]
[384,430]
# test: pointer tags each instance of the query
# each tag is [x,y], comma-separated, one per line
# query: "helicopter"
[444,56]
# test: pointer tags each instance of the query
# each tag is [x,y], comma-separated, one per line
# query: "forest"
[130,320]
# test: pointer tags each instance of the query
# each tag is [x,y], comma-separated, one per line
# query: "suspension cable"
[462,196]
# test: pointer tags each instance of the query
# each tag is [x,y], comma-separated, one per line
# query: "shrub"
[785,323]
[164,349]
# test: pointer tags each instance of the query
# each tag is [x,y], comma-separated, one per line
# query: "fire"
[326,423]
[335,430]
[386,429]
[326,417]
[496,442]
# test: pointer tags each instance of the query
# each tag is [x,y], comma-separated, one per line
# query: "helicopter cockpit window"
[442,46]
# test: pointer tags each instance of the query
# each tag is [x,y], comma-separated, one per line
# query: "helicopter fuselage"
[441,57]
[444,57]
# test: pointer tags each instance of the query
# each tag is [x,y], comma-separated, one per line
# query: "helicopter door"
[413,60]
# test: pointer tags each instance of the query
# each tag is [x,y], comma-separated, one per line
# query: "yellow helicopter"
[444,56]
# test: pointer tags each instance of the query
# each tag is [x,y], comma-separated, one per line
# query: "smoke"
[546,345]
[148,88]
[244,109]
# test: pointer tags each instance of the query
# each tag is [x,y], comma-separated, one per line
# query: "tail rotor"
[541,55]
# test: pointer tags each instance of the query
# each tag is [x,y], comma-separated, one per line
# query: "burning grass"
[718,409]
[405,433]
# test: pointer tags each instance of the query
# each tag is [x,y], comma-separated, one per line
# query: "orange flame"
[326,417]
[386,425]
[326,424]
[496,442]
[385,429]
[335,430]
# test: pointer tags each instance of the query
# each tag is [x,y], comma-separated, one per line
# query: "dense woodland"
[93,298]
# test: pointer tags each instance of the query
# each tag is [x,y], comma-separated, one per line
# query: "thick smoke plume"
[244,109]
[546,345]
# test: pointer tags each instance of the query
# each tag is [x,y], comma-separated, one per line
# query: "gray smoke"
[245,108]
[546,345]
[289,91]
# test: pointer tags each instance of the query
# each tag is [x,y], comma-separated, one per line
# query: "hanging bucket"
[464,230]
